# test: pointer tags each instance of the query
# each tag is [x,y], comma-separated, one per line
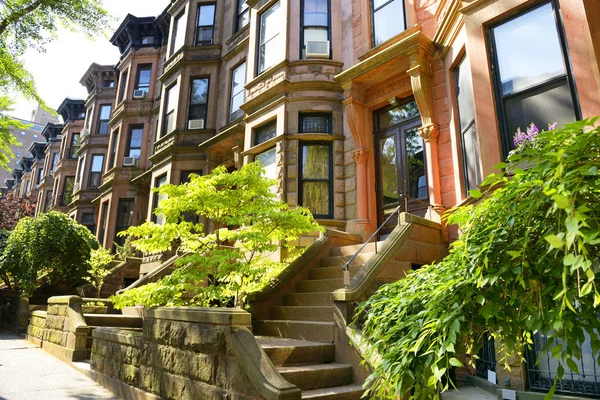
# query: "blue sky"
[57,71]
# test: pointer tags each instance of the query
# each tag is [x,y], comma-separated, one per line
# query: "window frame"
[505,136]
[103,221]
[72,150]
[259,71]
[303,114]
[197,42]
[372,16]
[330,179]
[55,159]
[113,150]
[64,191]
[176,21]
[192,79]
[156,198]
[100,120]
[130,136]
[123,86]
[48,200]
[138,73]
[232,95]
[120,228]
[94,173]
[238,14]
[302,55]
[264,125]
[167,113]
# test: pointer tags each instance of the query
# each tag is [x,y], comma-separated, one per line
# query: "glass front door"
[400,161]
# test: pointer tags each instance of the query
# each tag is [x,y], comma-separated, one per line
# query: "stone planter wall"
[188,353]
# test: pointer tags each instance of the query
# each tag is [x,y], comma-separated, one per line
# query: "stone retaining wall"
[36,328]
[188,353]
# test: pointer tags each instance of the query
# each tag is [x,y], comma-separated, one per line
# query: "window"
[124,218]
[80,170]
[122,86]
[75,145]
[170,104]
[265,132]
[243,14]
[466,123]
[88,220]
[108,83]
[238,93]
[206,25]
[185,176]
[103,222]
[96,171]
[161,180]
[54,161]
[67,196]
[48,200]
[533,82]
[388,19]
[198,103]
[134,145]
[178,38]
[27,187]
[315,123]
[147,39]
[40,175]
[113,149]
[315,29]
[267,162]
[103,119]
[269,43]
[316,178]
[142,80]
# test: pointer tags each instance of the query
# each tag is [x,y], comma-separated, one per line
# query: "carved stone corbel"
[420,79]
[430,133]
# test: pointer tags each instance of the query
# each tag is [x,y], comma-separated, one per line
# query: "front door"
[400,161]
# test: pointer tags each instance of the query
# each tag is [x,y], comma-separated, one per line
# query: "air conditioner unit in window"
[196,124]
[317,49]
[139,94]
[131,162]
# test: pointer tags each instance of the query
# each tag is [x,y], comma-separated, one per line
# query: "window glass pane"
[143,82]
[136,137]
[415,162]
[388,21]
[199,92]
[206,16]
[471,158]
[389,170]
[269,24]
[105,112]
[265,132]
[316,13]
[379,3]
[122,86]
[542,106]
[269,46]
[75,145]
[315,162]
[243,14]
[97,161]
[464,93]
[171,98]
[267,162]
[315,197]
[68,190]
[178,33]
[397,114]
[238,80]
[528,50]
[316,123]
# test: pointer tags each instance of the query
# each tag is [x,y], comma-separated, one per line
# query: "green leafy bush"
[52,245]
[99,269]
[527,261]
[247,225]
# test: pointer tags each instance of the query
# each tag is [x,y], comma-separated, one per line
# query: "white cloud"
[57,71]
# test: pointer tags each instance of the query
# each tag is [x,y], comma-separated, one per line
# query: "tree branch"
[14,17]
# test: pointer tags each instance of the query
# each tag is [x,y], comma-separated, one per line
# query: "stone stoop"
[298,336]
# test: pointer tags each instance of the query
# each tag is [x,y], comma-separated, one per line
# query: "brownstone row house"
[356,107]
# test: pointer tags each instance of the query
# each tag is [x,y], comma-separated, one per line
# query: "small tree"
[247,225]
[52,245]
[13,208]
[99,263]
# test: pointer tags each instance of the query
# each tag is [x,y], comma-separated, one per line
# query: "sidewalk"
[29,373]
[468,393]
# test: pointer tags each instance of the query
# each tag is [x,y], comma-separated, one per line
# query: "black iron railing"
[403,207]
[541,370]
[486,360]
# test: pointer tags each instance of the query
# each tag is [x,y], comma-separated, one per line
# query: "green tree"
[100,260]
[32,24]
[246,225]
[51,245]
[526,262]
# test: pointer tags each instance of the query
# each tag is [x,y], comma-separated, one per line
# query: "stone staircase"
[298,336]
[123,322]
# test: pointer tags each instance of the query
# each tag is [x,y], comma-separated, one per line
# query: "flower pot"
[94,309]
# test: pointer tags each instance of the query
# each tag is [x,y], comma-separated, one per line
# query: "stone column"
[430,134]
[361,156]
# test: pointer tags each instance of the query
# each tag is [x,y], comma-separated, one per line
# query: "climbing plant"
[527,261]
[228,228]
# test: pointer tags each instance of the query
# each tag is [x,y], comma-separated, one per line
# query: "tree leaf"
[554,241]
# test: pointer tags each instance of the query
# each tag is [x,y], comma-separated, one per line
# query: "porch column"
[361,156]
[420,79]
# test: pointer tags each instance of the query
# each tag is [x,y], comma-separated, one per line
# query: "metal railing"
[403,207]
[486,358]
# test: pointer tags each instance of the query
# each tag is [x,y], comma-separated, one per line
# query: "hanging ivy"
[527,261]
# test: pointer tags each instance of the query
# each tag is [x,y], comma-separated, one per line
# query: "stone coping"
[39,313]
[65,300]
[205,315]
[116,335]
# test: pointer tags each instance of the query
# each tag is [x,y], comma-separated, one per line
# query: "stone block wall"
[188,353]
[36,328]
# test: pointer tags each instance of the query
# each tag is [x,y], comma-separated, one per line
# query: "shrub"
[99,262]
[526,261]
[52,245]
[247,225]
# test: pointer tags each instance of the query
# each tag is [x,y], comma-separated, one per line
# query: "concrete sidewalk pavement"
[29,373]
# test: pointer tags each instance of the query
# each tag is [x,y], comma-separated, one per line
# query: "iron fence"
[486,360]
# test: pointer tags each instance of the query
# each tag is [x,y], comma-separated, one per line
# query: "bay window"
[533,82]
[315,30]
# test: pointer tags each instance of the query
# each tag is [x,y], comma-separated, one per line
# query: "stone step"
[308,299]
[335,261]
[302,313]
[350,250]
[305,330]
[113,320]
[331,272]
[319,285]
[285,352]
[310,377]
[349,392]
